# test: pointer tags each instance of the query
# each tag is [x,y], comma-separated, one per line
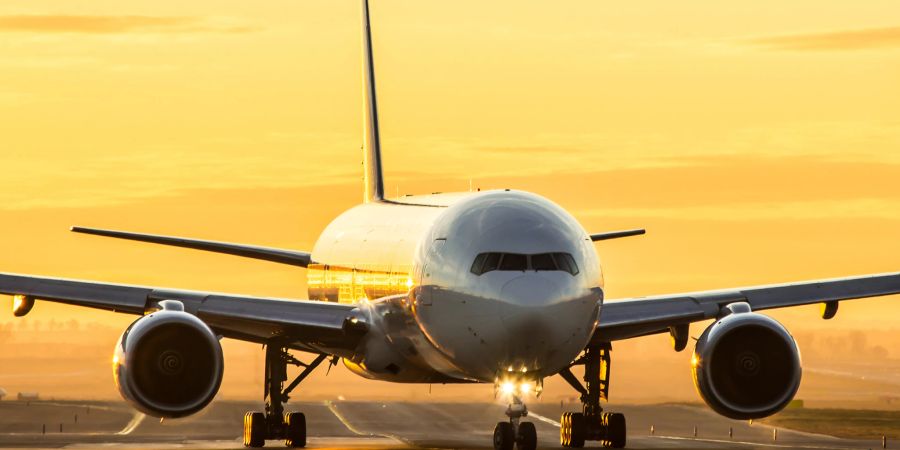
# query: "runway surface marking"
[754,444]
[333,408]
[754,423]
[544,419]
[132,425]
[217,444]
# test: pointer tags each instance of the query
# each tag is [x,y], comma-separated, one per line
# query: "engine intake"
[746,365]
[168,363]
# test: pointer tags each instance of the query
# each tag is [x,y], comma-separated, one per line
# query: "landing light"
[518,388]
[695,360]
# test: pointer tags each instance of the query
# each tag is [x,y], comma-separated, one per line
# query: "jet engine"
[746,365]
[168,363]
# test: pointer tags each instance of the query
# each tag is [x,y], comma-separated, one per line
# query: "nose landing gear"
[274,423]
[522,435]
[592,424]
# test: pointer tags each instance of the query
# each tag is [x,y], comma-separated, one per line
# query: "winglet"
[617,234]
[374,182]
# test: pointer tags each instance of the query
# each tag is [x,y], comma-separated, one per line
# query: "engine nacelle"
[746,365]
[168,363]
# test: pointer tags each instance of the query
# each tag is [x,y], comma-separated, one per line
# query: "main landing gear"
[592,424]
[274,423]
[514,432]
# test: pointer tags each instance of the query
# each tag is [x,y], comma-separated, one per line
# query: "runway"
[373,425]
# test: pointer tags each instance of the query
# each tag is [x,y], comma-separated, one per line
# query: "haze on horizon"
[757,143]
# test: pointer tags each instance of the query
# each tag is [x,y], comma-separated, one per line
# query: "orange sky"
[757,143]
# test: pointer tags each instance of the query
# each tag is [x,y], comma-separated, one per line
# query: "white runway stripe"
[334,410]
[754,444]
[543,419]
[133,424]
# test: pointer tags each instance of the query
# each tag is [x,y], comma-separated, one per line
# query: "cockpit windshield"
[488,262]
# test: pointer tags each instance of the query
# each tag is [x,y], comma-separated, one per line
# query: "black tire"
[527,436]
[579,430]
[295,430]
[503,436]
[615,430]
[254,429]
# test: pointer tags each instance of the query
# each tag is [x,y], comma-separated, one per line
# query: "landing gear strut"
[592,424]
[274,423]
[514,432]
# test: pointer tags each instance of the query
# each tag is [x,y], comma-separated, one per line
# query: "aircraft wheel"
[578,430]
[615,430]
[295,430]
[572,432]
[503,436]
[255,428]
[527,436]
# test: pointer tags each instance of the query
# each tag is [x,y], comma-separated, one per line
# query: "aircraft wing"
[277,255]
[297,323]
[628,318]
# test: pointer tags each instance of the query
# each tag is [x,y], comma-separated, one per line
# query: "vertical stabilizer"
[371,139]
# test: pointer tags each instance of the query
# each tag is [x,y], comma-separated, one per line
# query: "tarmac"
[375,425]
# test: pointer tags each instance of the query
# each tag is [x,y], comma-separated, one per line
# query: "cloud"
[864,39]
[116,24]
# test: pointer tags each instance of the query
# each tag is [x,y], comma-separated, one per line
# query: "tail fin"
[374,180]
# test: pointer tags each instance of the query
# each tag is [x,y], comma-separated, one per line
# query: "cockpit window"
[514,261]
[543,261]
[566,262]
[492,262]
[488,262]
[479,263]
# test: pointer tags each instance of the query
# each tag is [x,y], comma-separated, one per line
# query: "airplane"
[501,287]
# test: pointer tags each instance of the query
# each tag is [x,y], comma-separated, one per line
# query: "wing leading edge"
[628,318]
[303,324]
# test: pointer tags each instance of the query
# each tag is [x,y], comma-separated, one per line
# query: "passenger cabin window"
[488,262]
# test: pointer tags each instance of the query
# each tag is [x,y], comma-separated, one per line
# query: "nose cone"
[525,319]
[529,291]
[540,324]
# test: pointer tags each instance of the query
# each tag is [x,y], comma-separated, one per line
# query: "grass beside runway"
[845,423]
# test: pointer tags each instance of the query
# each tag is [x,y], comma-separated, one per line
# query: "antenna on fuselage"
[374,181]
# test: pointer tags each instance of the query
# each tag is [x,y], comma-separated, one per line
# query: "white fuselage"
[528,308]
